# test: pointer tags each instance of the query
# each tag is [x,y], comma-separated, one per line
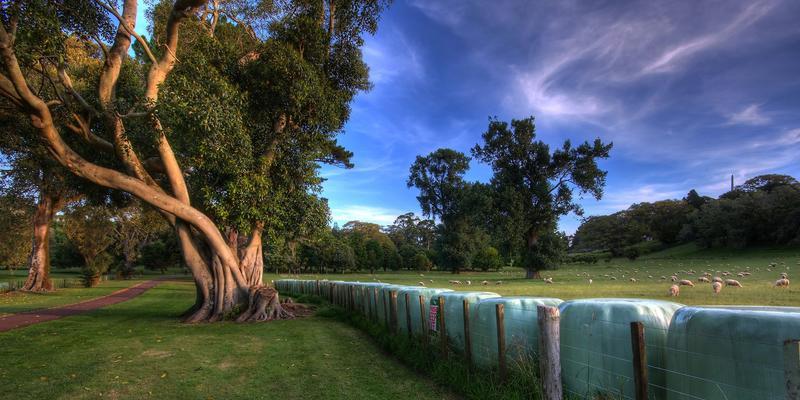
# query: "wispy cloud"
[750,115]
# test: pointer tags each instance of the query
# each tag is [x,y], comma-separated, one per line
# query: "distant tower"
[731,182]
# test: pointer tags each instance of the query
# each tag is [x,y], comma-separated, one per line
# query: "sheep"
[431,280]
[740,275]
[674,290]
[716,287]
[732,282]
[548,280]
[674,278]
[784,276]
[716,279]
[686,282]
[663,278]
[726,273]
[613,278]
[782,283]
[455,282]
[590,281]
[421,283]
[703,279]
[498,283]
[469,282]
[484,283]
[633,280]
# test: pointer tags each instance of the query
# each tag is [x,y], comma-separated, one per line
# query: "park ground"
[612,279]
[139,348]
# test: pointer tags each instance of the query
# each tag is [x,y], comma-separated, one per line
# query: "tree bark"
[532,240]
[39,271]
[252,259]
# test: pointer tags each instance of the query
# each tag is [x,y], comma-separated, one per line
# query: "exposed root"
[264,305]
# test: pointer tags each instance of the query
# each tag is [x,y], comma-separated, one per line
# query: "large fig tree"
[221,131]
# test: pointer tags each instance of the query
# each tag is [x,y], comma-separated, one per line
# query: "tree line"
[764,210]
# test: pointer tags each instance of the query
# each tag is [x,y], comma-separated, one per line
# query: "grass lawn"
[571,281]
[14,302]
[139,349]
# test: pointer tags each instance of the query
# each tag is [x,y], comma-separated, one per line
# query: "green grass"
[139,349]
[571,281]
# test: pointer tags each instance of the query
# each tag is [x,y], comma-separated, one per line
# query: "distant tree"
[535,187]
[134,226]
[15,223]
[439,176]
[421,262]
[695,200]
[663,219]
[767,183]
[488,258]
[91,230]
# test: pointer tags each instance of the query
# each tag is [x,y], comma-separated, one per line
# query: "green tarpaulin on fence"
[454,314]
[521,329]
[414,292]
[729,353]
[596,351]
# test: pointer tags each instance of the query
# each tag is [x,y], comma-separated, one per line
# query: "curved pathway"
[26,318]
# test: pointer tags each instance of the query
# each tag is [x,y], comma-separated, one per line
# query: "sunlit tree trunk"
[39,271]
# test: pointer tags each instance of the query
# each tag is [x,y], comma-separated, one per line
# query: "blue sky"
[690,92]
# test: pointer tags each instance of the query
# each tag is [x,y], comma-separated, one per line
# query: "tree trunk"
[39,271]
[532,240]
[252,263]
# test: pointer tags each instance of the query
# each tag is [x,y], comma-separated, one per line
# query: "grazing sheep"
[783,283]
[469,282]
[716,286]
[674,278]
[633,280]
[686,282]
[703,279]
[650,276]
[421,283]
[455,282]
[590,281]
[613,278]
[784,276]
[548,280]
[663,278]
[498,283]
[674,290]
[732,282]
[740,275]
[431,280]
[716,279]
[484,283]
[726,273]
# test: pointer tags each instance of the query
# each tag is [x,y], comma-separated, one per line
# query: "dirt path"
[26,318]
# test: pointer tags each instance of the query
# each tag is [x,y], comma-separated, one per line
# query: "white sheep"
[421,283]
[732,282]
[548,280]
[590,281]
[783,283]
[469,282]
[633,280]
[484,283]
[674,278]
[716,279]
[674,290]
[716,287]
[498,283]
[686,282]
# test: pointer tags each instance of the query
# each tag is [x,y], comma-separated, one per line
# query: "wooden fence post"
[639,360]
[442,328]
[791,368]
[317,292]
[549,352]
[393,304]
[500,315]
[352,298]
[375,304]
[385,311]
[422,319]
[408,315]
[333,286]
[467,336]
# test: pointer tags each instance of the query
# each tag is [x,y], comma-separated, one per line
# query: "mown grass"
[18,301]
[139,349]
[572,281]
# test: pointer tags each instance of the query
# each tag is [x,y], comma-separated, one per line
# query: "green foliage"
[421,262]
[534,187]
[439,176]
[488,258]
[90,229]
[15,223]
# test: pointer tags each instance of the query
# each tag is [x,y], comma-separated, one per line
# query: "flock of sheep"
[716,282]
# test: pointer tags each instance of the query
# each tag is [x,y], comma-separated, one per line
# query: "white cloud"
[392,57]
[378,215]
[750,115]
[673,56]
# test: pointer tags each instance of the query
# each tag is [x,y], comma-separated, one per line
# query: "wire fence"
[723,353]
